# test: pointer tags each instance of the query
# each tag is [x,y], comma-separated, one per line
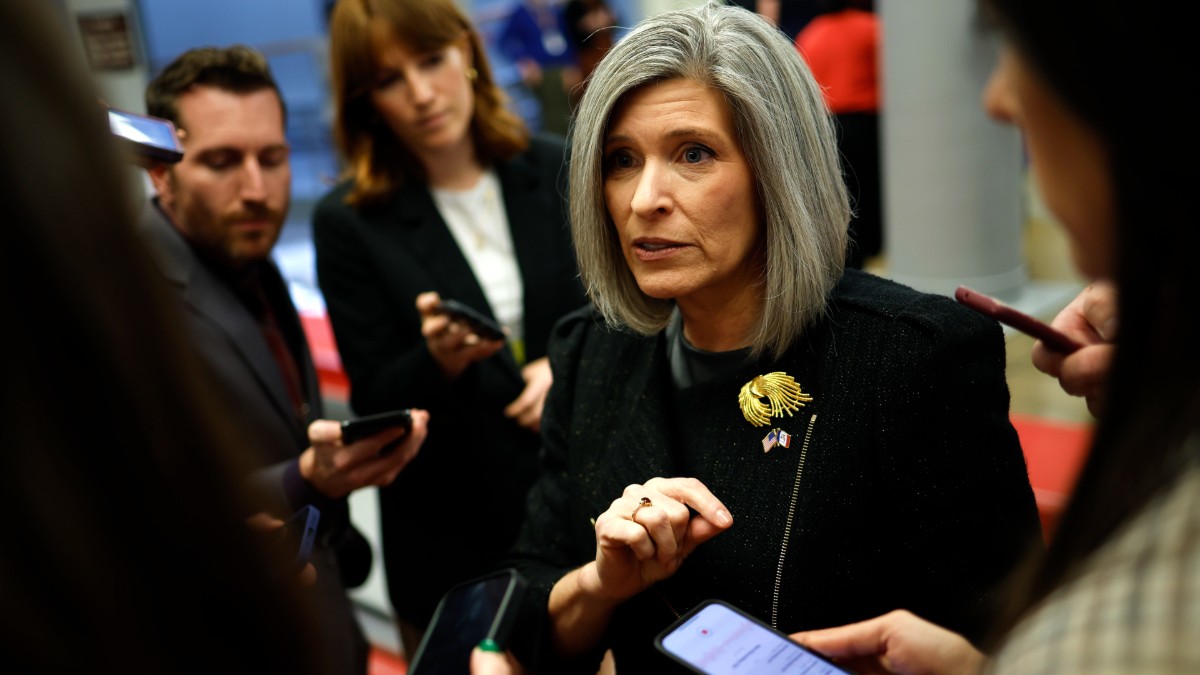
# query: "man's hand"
[266,523]
[336,469]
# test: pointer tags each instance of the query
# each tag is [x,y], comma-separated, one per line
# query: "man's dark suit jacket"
[904,485]
[231,345]
[456,507]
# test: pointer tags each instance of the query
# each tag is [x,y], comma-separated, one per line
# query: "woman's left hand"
[645,535]
[527,408]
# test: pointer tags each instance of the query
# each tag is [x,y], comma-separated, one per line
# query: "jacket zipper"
[787,528]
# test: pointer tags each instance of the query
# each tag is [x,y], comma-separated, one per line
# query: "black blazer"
[457,506]
[231,346]
[904,485]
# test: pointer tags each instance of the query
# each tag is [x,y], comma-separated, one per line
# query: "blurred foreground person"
[126,549]
[1118,590]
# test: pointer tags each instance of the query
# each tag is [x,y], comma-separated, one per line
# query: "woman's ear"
[464,45]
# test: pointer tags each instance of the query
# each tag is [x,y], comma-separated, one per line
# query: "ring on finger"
[644,501]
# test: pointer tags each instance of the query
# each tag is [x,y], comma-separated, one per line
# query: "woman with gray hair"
[846,437]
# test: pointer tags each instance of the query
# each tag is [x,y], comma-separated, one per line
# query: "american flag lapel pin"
[770,440]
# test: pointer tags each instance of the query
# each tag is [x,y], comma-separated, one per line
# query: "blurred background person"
[447,196]
[817,443]
[126,549]
[591,26]
[536,38]
[1118,589]
[841,46]
[789,16]
[212,224]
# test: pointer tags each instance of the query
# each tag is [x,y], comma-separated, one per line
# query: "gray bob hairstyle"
[785,133]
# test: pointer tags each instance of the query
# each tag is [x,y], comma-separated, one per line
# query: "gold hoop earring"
[472,74]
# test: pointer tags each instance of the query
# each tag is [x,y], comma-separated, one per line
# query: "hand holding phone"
[481,608]
[716,638]
[1052,338]
[359,428]
[479,323]
[295,539]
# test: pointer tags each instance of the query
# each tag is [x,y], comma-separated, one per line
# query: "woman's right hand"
[898,642]
[639,543]
[451,343]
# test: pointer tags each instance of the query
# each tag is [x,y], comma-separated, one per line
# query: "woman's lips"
[648,250]
[432,122]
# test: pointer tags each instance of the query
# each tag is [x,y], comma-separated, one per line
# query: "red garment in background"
[842,49]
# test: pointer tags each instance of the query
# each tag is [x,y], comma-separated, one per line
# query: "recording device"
[484,607]
[480,324]
[716,638]
[369,425]
[1052,338]
[295,539]
[152,139]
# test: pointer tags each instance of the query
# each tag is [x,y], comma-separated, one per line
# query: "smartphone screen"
[468,613]
[150,137]
[719,639]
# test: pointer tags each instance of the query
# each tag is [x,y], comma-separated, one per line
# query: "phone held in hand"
[716,638]
[150,138]
[479,323]
[359,428]
[484,607]
[1052,338]
[297,536]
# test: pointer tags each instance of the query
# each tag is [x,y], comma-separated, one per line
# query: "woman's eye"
[386,80]
[619,160]
[696,154]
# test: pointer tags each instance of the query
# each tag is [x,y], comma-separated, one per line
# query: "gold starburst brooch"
[782,392]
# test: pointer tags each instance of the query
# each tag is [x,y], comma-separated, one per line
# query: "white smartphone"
[716,638]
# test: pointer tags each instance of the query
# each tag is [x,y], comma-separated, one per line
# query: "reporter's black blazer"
[231,346]
[452,512]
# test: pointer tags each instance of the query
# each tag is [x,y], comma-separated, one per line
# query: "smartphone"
[295,539]
[151,138]
[480,324]
[369,425]
[716,638]
[1052,338]
[484,607]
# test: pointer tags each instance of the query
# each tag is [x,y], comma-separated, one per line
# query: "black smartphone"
[988,306]
[369,425]
[150,138]
[480,324]
[295,539]
[484,607]
[716,638]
